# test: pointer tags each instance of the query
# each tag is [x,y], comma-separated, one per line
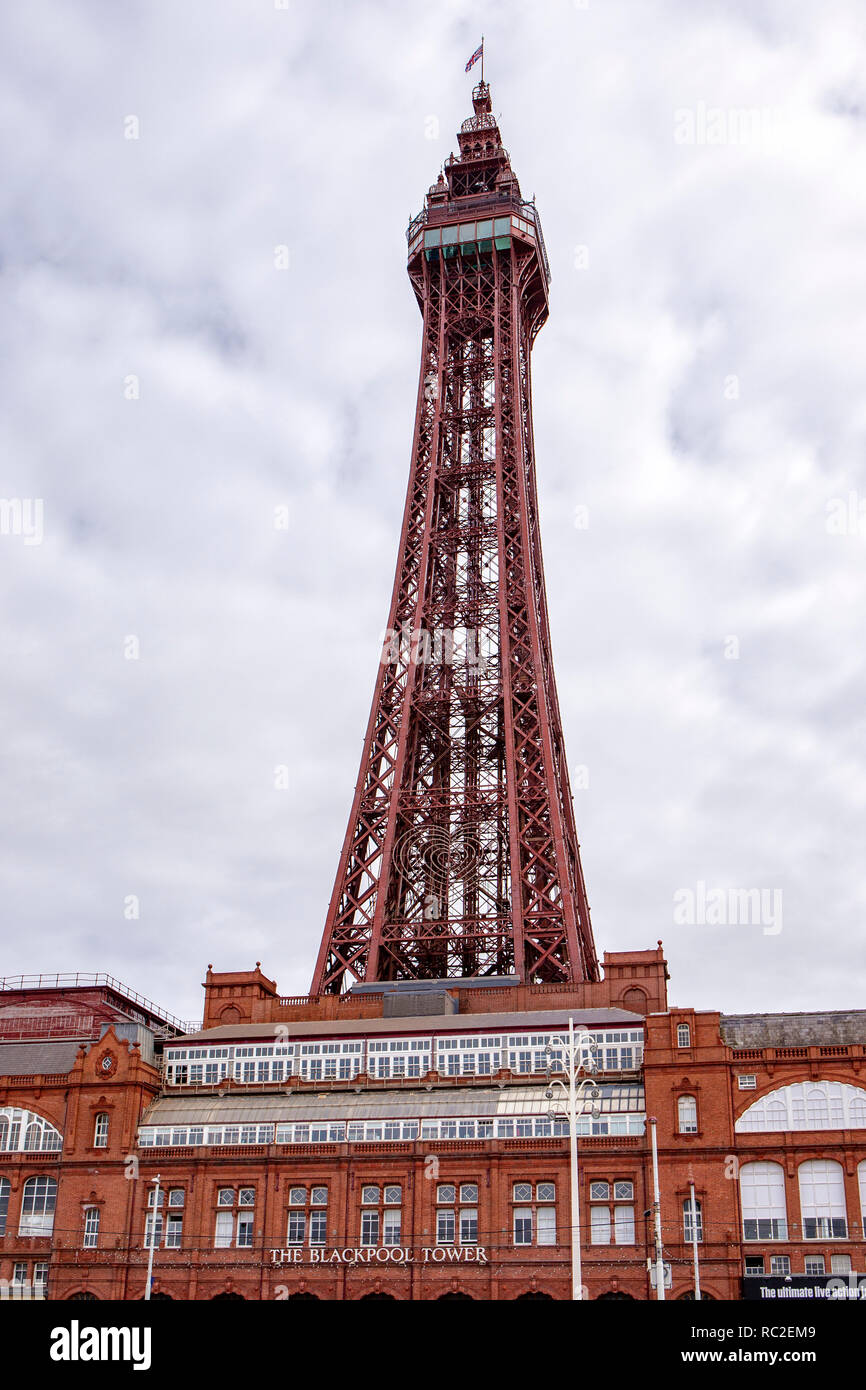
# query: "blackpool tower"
[461,857]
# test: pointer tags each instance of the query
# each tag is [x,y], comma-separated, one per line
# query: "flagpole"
[482,57]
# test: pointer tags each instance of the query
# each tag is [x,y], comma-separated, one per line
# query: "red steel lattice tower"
[461,857]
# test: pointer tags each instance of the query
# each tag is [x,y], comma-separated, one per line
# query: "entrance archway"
[84,1295]
[365,1296]
[443,1296]
[534,1294]
[235,1297]
[618,1294]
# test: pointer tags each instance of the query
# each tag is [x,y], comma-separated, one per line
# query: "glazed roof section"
[625,1098]
[529,1021]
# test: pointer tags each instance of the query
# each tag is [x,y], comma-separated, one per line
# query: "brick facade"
[107,1075]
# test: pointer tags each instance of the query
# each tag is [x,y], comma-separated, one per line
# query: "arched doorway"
[614,1293]
[443,1296]
[84,1295]
[313,1296]
[534,1293]
[165,1297]
[235,1297]
[690,1294]
[365,1296]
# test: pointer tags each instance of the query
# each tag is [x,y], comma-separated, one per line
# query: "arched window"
[687,1112]
[684,1035]
[100,1131]
[688,1213]
[762,1195]
[822,1200]
[4,1204]
[861,1176]
[805,1105]
[23,1131]
[37,1207]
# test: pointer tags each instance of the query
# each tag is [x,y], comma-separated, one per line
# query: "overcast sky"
[699,391]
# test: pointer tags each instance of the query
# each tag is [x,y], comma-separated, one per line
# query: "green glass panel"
[467,231]
[503,243]
[449,234]
[485,229]
[502,225]
[431,238]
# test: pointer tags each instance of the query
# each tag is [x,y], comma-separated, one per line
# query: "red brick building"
[396,1142]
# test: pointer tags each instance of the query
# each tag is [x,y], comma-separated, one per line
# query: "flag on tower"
[479,53]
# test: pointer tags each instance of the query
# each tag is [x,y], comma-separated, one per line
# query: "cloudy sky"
[173,379]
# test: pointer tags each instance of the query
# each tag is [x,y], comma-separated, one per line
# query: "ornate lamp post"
[579,1097]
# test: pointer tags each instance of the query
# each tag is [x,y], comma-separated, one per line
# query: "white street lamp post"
[153,1230]
[578,1056]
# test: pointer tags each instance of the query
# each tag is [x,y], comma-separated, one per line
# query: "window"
[754,1265]
[684,1035]
[522,1225]
[687,1113]
[235,1218]
[690,1216]
[19,1273]
[762,1195]
[308,1215]
[457,1221]
[381,1214]
[840,1264]
[814,1264]
[780,1264]
[822,1200]
[599,1225]
[153,1230]
[616,1220]
[91,1228]
[805,1105]
[4,1204]
[22,1131]
[533,1212]
[37,1207]
[747,1082]
[100,1131]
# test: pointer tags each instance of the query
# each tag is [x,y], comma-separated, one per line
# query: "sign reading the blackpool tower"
[383,1254]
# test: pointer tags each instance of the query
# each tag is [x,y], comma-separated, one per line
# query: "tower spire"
[461,857]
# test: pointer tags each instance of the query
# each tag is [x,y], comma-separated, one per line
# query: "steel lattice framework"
[461,857]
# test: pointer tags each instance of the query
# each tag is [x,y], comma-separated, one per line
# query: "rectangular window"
[297,1228]
[840,1264]
[173,1232]
[100,1132]
[445,1228]
[245,1228]
[754,1265]
[153,1231]
[546,1218]
[814,1265]
[224,1230]
[599,1219]
[369,1228]
[392,1226]
[468,1225]
[780,1264]
[523,1226]
[4,1204]
[91,1228]
[747,1081]
[623,1225]
[318,1227]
